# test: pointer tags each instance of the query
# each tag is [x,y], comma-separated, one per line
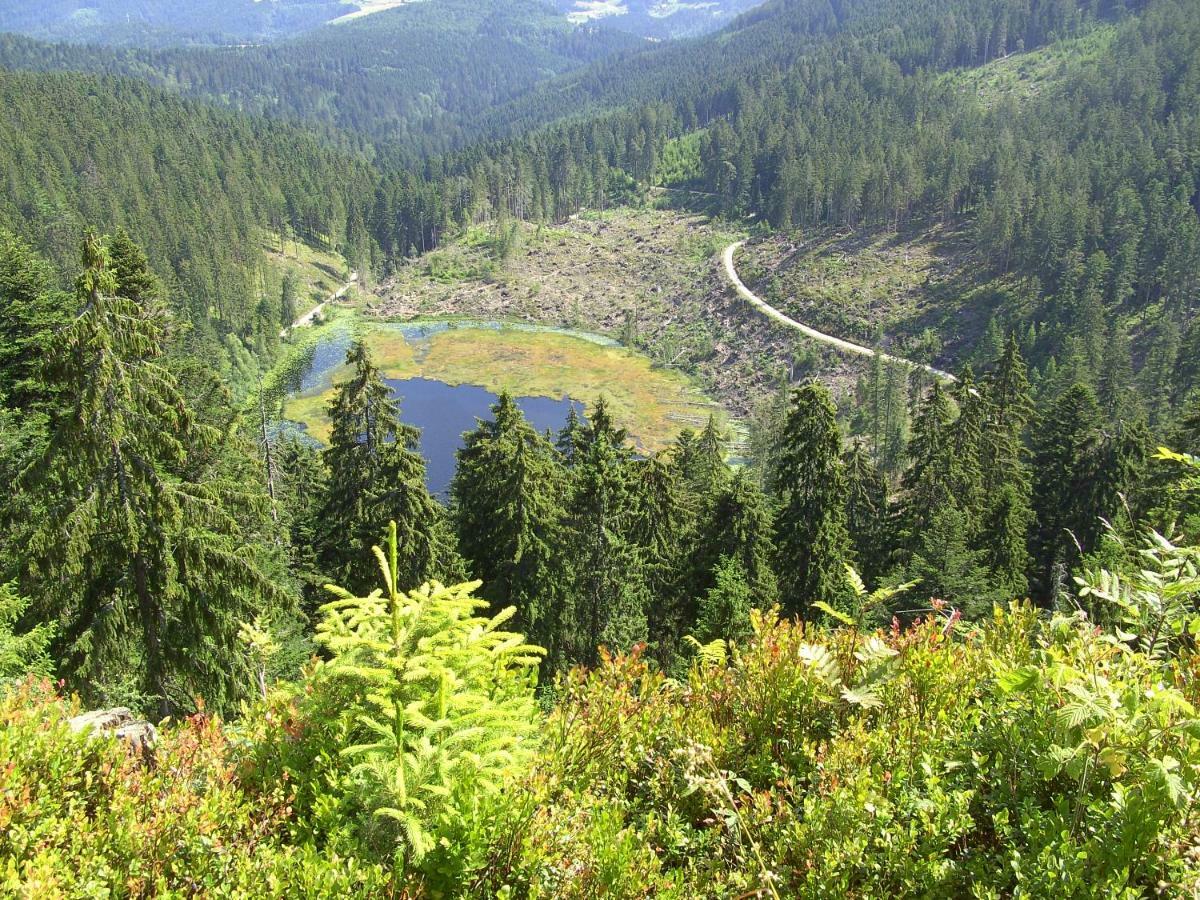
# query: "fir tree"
[929,482]
[376,475]
[724,610]
[866,512]
[662,529]
[811,543]
[506,497]
[141,557]
[1066,461]
[607,597]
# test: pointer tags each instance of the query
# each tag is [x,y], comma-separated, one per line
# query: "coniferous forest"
[893,630]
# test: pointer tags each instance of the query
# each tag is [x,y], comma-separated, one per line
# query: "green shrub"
[400,743]
[80,816]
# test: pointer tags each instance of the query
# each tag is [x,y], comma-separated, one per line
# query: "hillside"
[415,76]
[195,186]
[454,452]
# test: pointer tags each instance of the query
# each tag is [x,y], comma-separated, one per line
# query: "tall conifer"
[811,545]
[377,475]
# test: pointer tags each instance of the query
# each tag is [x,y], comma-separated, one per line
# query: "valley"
[559,449]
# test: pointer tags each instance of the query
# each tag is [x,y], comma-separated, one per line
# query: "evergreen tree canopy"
[811,543]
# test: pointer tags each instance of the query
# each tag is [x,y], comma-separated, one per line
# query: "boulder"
[137,734]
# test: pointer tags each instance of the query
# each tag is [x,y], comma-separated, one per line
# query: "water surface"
[444,411]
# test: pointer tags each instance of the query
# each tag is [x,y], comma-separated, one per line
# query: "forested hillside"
[199,188]
[1079,199]
[417,77]
[887,631]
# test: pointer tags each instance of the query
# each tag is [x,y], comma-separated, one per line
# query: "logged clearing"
[651,279]
[917,295]
[647,278]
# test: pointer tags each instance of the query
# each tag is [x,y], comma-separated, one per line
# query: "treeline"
[595,546]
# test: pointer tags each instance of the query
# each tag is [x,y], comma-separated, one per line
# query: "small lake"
[444,411]
[446,374]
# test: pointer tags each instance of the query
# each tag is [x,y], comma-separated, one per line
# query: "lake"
[447,374]
[444,411]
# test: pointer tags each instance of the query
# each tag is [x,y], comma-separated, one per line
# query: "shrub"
[82,817]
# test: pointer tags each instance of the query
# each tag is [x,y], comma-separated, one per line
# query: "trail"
[845,346]
[307,318]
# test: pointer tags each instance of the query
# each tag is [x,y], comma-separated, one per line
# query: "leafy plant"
[1157,596]
[863,604]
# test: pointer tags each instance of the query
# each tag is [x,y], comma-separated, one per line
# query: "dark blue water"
[444,411]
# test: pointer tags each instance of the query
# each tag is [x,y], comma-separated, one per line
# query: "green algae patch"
[652,403]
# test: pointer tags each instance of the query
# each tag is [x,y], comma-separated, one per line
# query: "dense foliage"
[1023,754]
[417,77]
[954,655]
[199,189]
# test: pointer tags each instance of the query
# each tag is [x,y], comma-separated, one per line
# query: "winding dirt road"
[307,318]
[845,346]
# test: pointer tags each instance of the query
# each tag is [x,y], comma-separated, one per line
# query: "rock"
[137,734]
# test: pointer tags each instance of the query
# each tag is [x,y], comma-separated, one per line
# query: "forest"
[934,637]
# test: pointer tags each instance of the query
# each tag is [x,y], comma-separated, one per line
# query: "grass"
[653,403]
[318,273]
[1023,75]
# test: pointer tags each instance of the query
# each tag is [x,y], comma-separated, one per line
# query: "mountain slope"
[413,76]
[659,19]
[199,188]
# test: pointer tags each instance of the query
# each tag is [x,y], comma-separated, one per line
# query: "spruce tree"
[607,598]
[929,481]
[662,529]
[1066,464]
[812,546]
[506,502]
[724,610]
[1004,456]
[569,437]
[1004,538]
[866,512]
[702,463]
[32,309]
[377,475]
[948,568]
[141,556]
[965,450]
[739,527]
[1007,480]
